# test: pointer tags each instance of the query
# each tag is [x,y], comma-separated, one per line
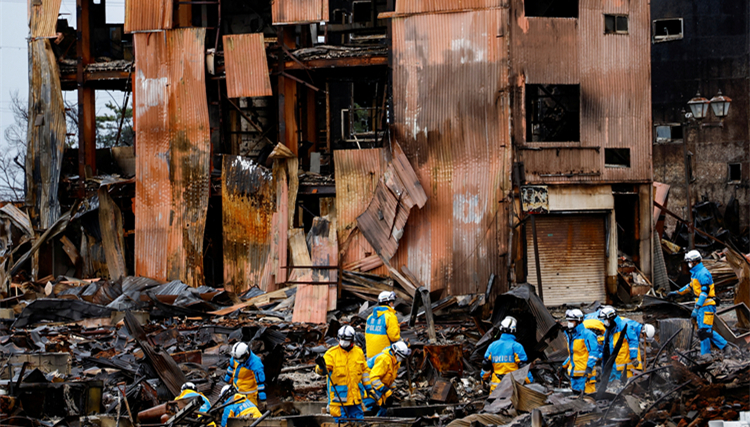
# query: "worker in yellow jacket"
[383,371]
[346,368]
[242,407]
[504,356]
[246,373]
[188,391]
[583,353]
[382,326]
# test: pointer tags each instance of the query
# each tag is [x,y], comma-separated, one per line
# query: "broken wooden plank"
[324,253]
[113,239]
[259,300]
[422,299]
[70,249]
[413,282]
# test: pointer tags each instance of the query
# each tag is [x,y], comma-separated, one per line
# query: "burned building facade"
[702,49]
[455,146]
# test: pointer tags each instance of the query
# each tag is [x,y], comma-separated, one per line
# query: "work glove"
[694,313]
[388,402]
[321,362]
[562,371]
[486,365]
[588,371]
[671,296]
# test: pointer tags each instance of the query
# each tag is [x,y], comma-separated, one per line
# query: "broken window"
[551,8]
[735,172]
[357,112]
[553,113]
[668,133]
[667,29]
[617,157]
[615,24]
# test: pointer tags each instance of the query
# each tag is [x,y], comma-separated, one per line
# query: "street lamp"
[720,105]
[699,106]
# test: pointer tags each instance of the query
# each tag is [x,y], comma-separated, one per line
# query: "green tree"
[108,124]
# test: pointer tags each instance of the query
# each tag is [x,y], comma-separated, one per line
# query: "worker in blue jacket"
[627,356]
[504,355]
[245,372]
[583,353]
[241,407]
[702,286]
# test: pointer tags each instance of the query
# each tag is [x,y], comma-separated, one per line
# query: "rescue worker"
[627,357]
[245,372]
[346,367]
[640,330]
[702,285]
[242,407]
[582,353]
[504,355]
[382,325]
[187,391]
[383,371]
[597,327]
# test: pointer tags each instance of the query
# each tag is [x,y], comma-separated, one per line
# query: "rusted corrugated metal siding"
[559,163]
[148,15]
[357,175]
[153,193]
[451,111]
[173,158]
[43,18]
[299,11]
[613,71]
[420,6]
[45,135]
[246,66]
[248,204]
[572,255]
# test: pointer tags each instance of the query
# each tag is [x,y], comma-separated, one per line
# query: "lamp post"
[698,111]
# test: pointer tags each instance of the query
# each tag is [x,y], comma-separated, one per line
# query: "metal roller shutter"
[572,254]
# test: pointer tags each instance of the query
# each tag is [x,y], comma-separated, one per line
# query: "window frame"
[671,37]
[671,139]
[617,165]
[617,31]
[729,173]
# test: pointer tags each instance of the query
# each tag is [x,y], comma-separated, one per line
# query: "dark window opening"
[735,172]
[551,8]
[362,11]
[615,24]
[617,157]
[553,113]
[667,29]
[668,133]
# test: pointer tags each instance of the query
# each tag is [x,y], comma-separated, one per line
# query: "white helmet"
[346,337]
[508,325]
[575,315]
[386,296]
[224,389]
[649,330]
[693,256]
[607,314]
[240,351]
[187,386]
[400,350]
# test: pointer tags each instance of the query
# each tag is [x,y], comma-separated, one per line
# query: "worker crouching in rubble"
[187,391]
[627,355]
[345,366]
[504,355]
[702,285]
[246,374]
[583,353]
[382,325]
[242,407]
[383,371]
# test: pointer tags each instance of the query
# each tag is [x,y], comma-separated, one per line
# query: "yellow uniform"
[383,373]
[382,330]
[346,369]
[242,407]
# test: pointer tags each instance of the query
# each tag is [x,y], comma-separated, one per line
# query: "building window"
[553,113]
[734,173]
[667,29]
[667,133]
[617,157]
[615,24]
[551,8]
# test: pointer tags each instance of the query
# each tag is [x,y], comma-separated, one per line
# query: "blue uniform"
[628,355]
[248,378]
[702,285]
[505,355]
[583,353]
[242,408]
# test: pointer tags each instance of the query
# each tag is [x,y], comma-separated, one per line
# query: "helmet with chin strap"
[693,256]
[400,350]
[386,297]
[508,325]
[607,315]
[240,351]
[187,386]
[346,337]
[573,315]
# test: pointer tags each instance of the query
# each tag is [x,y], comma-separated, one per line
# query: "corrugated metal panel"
[572,255]
[357,175]
[248,204]
[419,6]
[451,107]
[549,165]
[45,136]
[246,66]
[43,18]
[299,11]
[173,157]
[148,15]
[613,71]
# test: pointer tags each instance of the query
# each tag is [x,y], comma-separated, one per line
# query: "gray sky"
[14,56]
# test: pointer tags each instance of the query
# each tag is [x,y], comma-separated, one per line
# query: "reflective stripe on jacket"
[382,330]
[702,285]
[629,351]
[242,408]
[248,377]
[582,351]
[505,354]
[346,369]
[187,394]
[383,371]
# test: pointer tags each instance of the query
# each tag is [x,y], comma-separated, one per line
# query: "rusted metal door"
[572,255]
